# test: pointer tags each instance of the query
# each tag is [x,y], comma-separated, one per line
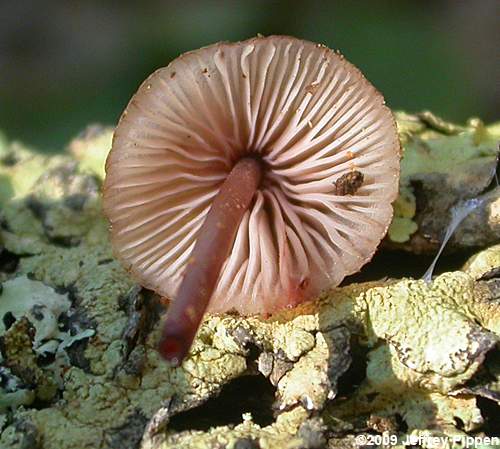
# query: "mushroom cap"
[313,119]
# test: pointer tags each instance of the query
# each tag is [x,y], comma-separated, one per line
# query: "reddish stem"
[215,239]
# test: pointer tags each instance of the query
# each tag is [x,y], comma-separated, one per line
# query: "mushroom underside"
[329,156]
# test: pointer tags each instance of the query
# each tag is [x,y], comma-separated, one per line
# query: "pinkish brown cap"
[331,156]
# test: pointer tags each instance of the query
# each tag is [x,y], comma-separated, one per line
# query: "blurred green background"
[64,65]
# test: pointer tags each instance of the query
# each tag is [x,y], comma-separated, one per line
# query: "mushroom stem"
[214,242]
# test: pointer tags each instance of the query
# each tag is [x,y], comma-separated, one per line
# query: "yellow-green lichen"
[284,433]
[444,154]
[91,147]
[20,168]
[422,343]
[483,262]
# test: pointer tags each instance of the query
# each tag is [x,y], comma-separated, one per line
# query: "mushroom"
[249,177]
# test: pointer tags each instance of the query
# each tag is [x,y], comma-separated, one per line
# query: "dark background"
[64,65]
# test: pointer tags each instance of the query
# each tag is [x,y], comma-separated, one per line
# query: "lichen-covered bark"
[444,164]
[78,365]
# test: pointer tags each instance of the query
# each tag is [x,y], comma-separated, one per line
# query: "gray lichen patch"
[30,329]
[40,304]
[89,273]
[18,356]
[358,358]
